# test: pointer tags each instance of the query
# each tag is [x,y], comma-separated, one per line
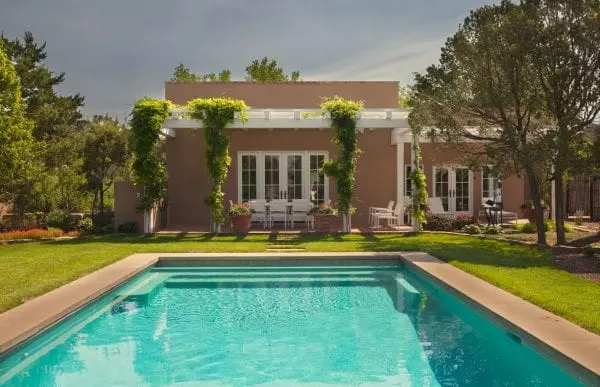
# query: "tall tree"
[268,70]
[18,158]
[106,154]
[53,115]
[485,88]
[566,59]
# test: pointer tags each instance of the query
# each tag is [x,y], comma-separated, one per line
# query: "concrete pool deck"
[571,346]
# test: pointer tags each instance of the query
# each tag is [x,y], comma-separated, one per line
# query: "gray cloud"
[114,52]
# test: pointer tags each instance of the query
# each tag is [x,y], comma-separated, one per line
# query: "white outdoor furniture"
[299,211]
[379,210]
[436,207]
[259,211]
[394,218]
[278,211]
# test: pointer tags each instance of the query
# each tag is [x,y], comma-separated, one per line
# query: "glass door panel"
[317,179]
[272,170]
[442,186]
[294,177]
[462,190]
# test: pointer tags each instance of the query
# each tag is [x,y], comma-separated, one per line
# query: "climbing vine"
[343,116]
[149,167]
[216,114]
[419,199]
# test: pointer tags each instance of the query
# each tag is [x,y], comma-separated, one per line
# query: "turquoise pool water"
[312,326]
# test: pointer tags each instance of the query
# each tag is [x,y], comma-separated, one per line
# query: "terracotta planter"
[327,223]
[529,214]
[241,223]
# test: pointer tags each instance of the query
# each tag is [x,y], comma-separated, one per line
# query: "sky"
[114,52]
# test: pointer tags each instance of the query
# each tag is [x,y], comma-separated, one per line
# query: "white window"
[282,175]
[489,184]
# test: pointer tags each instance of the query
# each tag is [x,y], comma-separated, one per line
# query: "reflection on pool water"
[367,325]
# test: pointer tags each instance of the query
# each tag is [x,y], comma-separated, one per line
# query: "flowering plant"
[323,209]
[239,209]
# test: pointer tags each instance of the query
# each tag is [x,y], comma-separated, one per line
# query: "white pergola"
[298,119]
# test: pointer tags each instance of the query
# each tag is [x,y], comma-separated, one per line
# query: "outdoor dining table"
[288,208]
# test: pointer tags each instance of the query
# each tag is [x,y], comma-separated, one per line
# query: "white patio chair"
[394,218]
[374,210]
[300,208]
[436,207]
[278,212]
[259,211]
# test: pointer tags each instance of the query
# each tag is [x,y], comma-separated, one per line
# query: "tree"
[267,70]
[53,115]
[566,59]
[183,74]
[18,151]
[105,154]
[486,89]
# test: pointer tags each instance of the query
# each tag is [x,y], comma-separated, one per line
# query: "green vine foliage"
[149,167]
[419,198]
[343,116]
[216,114]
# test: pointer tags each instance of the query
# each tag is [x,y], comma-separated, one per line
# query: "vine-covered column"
[148,166]
[419,186]
[216,114]
[343,121]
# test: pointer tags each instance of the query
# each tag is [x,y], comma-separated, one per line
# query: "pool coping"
[566,343]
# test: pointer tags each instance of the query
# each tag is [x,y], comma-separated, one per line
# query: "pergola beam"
[294,119]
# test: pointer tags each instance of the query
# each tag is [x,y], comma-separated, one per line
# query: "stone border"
[564,342]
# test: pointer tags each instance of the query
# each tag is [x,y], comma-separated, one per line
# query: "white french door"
[282,175]
[453,186]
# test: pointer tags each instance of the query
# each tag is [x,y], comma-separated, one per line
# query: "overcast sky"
[116,51]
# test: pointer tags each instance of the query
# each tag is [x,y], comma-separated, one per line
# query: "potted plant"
[326,218]
[529,210]
[240,215]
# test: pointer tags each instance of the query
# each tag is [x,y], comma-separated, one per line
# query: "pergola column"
[400,179]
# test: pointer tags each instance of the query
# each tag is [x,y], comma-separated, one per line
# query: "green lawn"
[28,270]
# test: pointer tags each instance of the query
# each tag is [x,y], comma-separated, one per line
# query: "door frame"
[452,187]
[283,155]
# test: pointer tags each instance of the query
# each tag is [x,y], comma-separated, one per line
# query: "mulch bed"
[575,262]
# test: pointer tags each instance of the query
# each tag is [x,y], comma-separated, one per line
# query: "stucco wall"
[287,95]
[188,176]
[514,187]
[126,202]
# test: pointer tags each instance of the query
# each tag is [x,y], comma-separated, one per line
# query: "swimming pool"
[325,325]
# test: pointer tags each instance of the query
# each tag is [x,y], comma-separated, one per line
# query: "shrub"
[589,251]
[128,227]
[239,209]
[461,221]
[438,223]
[492,229]
[568,227]
[85,225]
[549,224]
[323,209]
[529,228]
[578,221]
[471,229]
[60,219]
[34,233]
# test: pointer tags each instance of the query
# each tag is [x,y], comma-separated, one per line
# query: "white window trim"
[260,170]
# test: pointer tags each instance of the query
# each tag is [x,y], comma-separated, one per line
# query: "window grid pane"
[317,179]
[248,177]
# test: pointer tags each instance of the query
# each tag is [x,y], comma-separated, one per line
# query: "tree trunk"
[101,199]
[537,201]
[559,216]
